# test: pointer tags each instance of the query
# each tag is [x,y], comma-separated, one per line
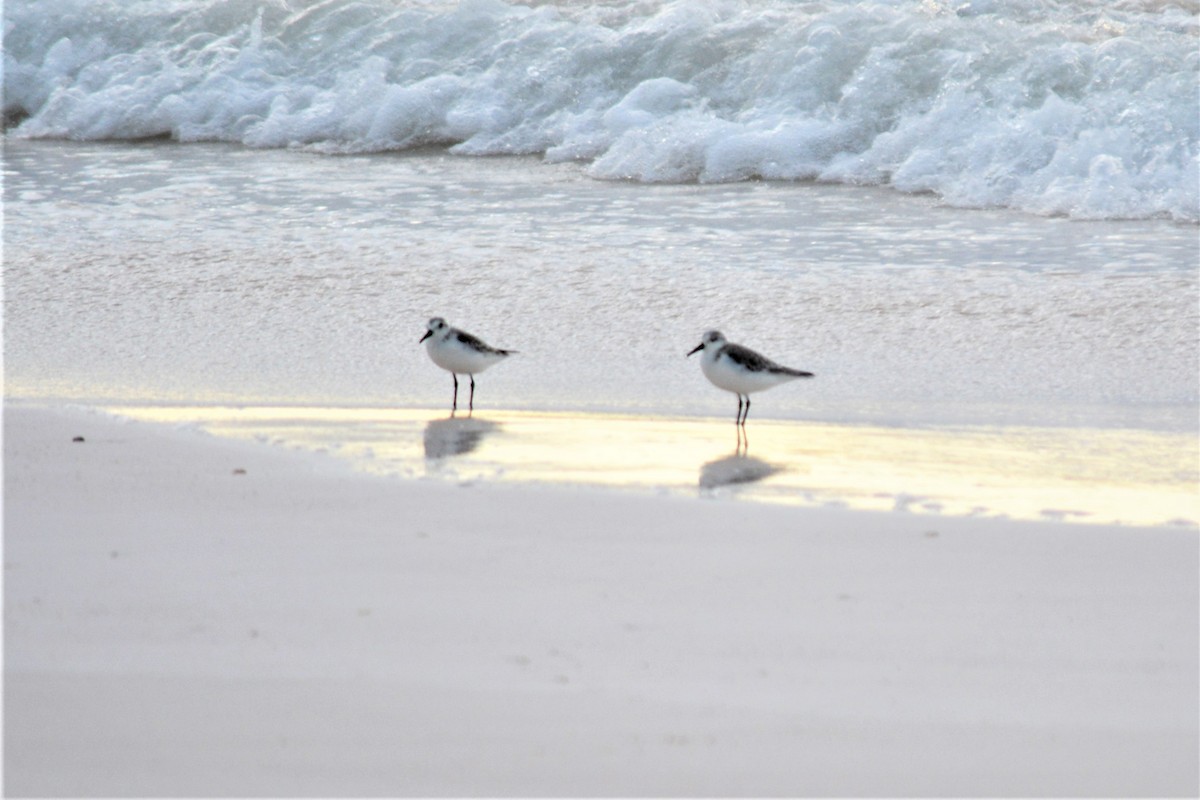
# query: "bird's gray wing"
[747,358]
[755,362]
[475,343]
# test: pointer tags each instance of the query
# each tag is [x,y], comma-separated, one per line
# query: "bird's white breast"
[455,356]
[725,374]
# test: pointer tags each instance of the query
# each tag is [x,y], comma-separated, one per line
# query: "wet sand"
[1090,475]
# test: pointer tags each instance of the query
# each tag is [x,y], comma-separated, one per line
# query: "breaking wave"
[1085,109]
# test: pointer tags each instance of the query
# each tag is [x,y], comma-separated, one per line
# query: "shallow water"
[159,272]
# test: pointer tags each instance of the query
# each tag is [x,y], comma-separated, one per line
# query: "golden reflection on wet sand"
[1084,475]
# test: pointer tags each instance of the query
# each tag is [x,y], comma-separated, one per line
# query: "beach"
[194,615]
[252,549]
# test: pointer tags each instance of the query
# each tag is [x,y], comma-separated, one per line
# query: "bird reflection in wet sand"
[455,436]
[735,469]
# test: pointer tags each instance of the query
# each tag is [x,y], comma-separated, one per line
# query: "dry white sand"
[176,627]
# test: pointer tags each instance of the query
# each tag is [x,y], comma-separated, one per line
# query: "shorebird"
[460,353]
[740,370]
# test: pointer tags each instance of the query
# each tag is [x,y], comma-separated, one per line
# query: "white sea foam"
[1079,108]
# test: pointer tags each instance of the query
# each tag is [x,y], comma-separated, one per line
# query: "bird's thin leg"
[738,419]
[743,438]
[471,404]
[741,431]
[454,403]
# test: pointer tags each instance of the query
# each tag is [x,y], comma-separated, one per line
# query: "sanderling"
[740,370]
[460,353]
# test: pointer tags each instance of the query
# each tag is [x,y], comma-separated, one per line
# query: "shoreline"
[189,614]
[1080,475]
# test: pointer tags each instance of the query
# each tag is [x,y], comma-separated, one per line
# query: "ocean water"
[977,222]
[1080,108]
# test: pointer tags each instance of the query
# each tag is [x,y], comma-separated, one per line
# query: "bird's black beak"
[426,336]
[696,349]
